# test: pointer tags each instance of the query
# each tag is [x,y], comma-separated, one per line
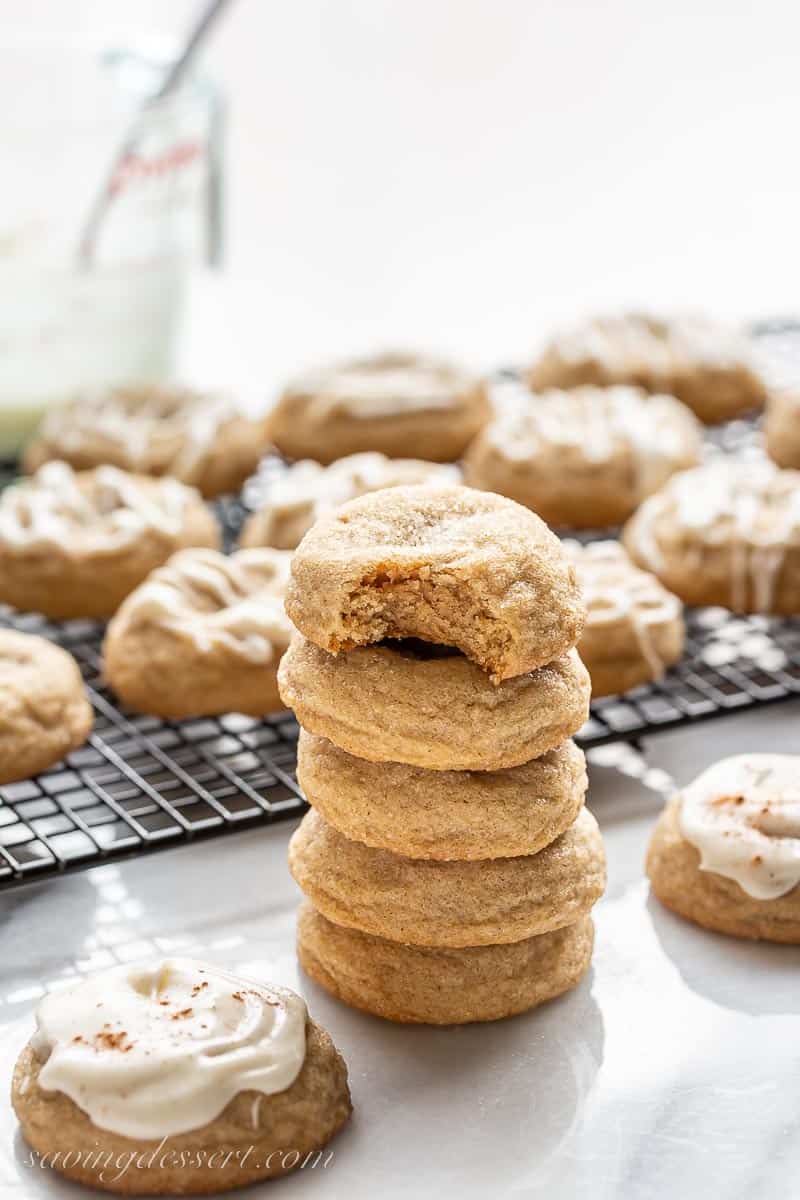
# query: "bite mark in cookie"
[452,566]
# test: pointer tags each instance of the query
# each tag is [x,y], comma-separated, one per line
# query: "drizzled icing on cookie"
[753,507]
[105,509]
[743,816]
[215,600]
[631,342]
[169,430]
[599,423]
[616,591]
[308,488]
[161,1048]
[387,385]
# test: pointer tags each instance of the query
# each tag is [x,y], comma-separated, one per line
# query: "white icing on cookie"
[214,600]
[313,490]
[743,816]
[168,429]
[598,424]
[105,509]
[615,591]
[384,386]
[632,343]
[148,1051]
[752,506]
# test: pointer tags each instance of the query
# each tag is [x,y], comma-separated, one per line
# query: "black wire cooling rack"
[142,784]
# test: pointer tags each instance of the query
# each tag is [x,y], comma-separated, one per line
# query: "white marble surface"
[669,1074]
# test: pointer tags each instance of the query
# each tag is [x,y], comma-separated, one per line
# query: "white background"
[461,173]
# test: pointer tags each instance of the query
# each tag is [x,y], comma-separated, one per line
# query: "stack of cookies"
[449,863]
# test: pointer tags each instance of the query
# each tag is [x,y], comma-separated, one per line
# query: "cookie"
[443,814]
[202,635]
[584,458]
[306,491]
[44,710]
[405,703]
[634,629]
[726,851]
[198,437]
[422,902]
[448,565]
[707,365]
[75,545]
[782,427]
[397,404]
[727,533]
[441,986]
[176,1078]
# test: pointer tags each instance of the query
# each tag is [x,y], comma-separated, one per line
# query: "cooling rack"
[142,784]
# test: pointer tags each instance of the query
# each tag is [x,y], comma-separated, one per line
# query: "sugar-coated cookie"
[443,814]
[706,364]
[402,702]
[634,628]
[782,427]
[441,986]
[726,850]
[306,491]
[202,635]
[177,1078]
[198,437]
[726,533]
[449,565]
[403,405]
[584,458]
[75,544]
[44,709]
[423,902]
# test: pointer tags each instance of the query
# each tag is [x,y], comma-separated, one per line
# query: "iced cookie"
[634,628]
[441,986]
[782,427]
[726,851]
[402,405]
[443,814]
[422,902]
[75,545]
[44,710]
[422,705]
[177,1078]
[707,365]
[307,491]
[202,635]
[449,565]
[584,458]
[726,533]
[200,438]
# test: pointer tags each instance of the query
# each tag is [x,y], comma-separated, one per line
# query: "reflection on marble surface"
[669,1074]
